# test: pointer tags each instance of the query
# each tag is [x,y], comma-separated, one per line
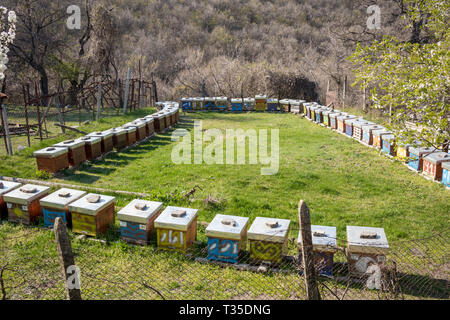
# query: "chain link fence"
[112,269]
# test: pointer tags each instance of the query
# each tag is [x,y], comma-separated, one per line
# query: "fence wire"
[111,269]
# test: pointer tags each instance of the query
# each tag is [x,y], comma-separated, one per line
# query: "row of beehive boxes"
[431,161]
[74,152]
[175,228]
[260,103]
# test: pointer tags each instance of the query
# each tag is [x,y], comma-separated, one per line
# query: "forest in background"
[293,48]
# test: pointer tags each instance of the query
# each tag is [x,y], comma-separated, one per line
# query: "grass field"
[343,182]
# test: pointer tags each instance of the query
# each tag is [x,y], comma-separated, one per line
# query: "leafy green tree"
[412,79]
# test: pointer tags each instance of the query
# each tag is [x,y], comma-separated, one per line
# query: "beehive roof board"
[70,144]
[86,206]
[269,229]
[371,127]
[139,211]
[51,152]
[90,140]
[445,165]
[135,123]
[118,131]
[227,227]
[25,194]
[437,157]
[421,150]
[61,198]
[380,132]
[7,186]
[176,218]
[323,238]
[129,128]
[272,100]
[285,101]
[103,134]
[367,240]
[361,123]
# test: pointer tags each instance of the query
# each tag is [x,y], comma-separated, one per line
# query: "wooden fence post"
[127,86]
[60,115]
[6,130]
[99,101]
[66,258]
[309,271]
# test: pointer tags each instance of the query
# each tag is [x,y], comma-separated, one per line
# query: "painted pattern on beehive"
[446,174]
[222,103]
[432,164]
[223,250]
[236,105]
[388,145]
[133,230]
[57,205]
[266,251]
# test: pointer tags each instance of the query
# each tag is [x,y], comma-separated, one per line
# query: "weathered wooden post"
[66,258]
[99,101]
[6,129]
[309,270]
[60,116]
[127,86]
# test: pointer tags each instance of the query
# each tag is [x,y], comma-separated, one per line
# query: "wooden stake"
[312,290]
[66,258]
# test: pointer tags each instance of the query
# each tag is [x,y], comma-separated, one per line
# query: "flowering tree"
[412,78]
[7,34]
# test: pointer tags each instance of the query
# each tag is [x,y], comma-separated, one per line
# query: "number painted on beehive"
[171,238]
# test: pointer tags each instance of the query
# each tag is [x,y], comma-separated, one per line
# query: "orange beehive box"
[23,203]
[52,159]
[77,151]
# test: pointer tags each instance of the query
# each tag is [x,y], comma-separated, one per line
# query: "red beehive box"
[432,164]
[107,140]
[5,187]
[120,140]
[93,147]
[131,134]
[77,151]
[52,159]
[23,203]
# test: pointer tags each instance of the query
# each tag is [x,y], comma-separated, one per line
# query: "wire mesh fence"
[112,269]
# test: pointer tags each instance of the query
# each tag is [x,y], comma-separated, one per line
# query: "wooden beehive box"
[5,187]
[416,155]
[295,106]
[77,151]
[313,112]
[120,140]
[141,131]
[319,114]
[210,103]
[237,105]
[268,240]
[222,103]
[348,125]
[367,136]
[341,120]
[160,122]
[130,134]
[137,220]
[176,228]
[186,104]
[92,214]
[227,237]
[432,164]
[261,103]
[445,174]
[326,118]
[107,142]
[52,159]
[365,247]
[23,203]
[302,105]
[324,248]
[149,129]
[92,146]
[358,128]
[273,106]
[388,142]
[377,137]
[56,205]
[285,105]
[249,104]
[333,119]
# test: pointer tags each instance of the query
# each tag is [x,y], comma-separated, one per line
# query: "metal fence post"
[312,290]
[66,258]
[127,85]
[6,130]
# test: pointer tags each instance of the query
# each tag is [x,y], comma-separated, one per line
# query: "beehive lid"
[90,140]
[236,100]
[70,144]
[129,128]
[295,102]
[61,198]
[381,132]
[335,114]
[371,127]
[91,204]
[118,131]
[365,239]
[350,121]
[420,151]
[185,99]
[249,100]
[176,218]
[285,101]
[101,134]
[136,124]
[260,97]
[323,238]
[51,152]
[437,157]
[146,120]
[25,194]
[139,211]
[149,117]
[272,100]
[302,101]
[269,229]
[388,137]
[446,166]
[7,186]
[221,99]
[227,227]
[346,117]
[361,122]
[210,99]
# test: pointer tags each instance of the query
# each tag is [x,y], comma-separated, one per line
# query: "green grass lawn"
[343,182]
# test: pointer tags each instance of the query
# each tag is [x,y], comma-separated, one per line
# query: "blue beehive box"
[221,103]
[56,205]
[324,248]
[210,103]
[227,237]
[237,105]
[416,155]
[388,142]
[272,105]
[186,104]
[446,174]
